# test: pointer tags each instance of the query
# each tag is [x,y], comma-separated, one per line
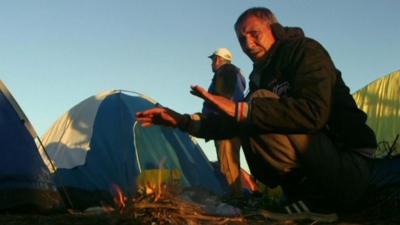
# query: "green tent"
[381,101]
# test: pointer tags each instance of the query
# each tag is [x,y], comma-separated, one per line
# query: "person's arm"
[305,110]
[214,126]
[162,116]
[208,127]
[225,105]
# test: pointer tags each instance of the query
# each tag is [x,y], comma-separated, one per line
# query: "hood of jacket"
[283,33]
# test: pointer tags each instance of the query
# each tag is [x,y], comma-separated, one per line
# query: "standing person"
[300,127]
[229,83]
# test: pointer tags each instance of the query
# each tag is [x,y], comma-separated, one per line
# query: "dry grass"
[168,207]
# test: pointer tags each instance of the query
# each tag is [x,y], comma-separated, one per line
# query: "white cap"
[223,53]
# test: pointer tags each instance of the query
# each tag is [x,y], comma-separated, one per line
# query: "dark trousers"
[313,169]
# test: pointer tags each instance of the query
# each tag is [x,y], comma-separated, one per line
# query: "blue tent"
[98,145]
[25,181]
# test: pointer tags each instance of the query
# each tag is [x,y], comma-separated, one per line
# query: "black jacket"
[313,96]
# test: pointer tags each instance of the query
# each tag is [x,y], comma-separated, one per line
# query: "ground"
[167,208]
[116,220]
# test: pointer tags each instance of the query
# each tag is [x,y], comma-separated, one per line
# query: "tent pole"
[54,169]
[393,147]
[136,149]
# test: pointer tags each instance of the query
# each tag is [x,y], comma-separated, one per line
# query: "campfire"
[164,201]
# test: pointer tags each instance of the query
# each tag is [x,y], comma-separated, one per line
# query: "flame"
[150,188]
[120,199]
[159,183]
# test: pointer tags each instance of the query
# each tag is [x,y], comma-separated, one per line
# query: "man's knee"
[277,150]
[264,93]
[300,142]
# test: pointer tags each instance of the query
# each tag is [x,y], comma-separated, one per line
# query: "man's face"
[216,63]
[255,38]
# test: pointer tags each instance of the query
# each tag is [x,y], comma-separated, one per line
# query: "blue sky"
[55,53]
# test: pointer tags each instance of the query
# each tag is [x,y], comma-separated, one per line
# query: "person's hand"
[222,103]
[199,92]
[159,116]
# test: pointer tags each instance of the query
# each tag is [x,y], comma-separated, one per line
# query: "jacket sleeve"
[214,126]
[225,81]
[307,105]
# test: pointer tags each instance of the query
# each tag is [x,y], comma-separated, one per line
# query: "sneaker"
[299,211]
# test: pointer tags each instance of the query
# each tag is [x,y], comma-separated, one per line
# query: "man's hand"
[159,116]
[224,104]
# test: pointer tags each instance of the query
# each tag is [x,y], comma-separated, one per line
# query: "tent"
[98,145]
[25,181]
[381,101]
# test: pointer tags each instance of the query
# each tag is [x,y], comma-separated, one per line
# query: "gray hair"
[259,12]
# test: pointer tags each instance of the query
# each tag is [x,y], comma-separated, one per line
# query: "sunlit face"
[255,38]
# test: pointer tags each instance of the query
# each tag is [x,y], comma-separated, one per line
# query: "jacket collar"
[281,34]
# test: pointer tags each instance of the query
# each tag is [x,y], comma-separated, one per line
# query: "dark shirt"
[227,82]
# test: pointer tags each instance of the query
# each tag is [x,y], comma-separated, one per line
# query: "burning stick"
[170,209]
[120,199]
